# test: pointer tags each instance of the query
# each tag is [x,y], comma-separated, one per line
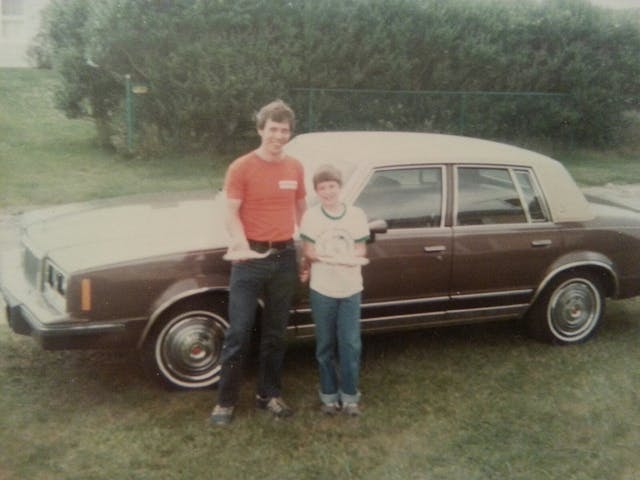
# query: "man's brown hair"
[277,111]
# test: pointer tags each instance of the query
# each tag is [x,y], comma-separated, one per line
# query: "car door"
[503,242]
[407,280]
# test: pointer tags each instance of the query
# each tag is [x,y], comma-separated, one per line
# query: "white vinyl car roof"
[378,149]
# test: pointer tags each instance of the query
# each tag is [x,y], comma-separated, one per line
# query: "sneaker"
[275,405]
[221,415]
[330,408]
[351,409]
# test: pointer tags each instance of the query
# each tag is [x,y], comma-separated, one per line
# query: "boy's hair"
[327,173]
[278,111]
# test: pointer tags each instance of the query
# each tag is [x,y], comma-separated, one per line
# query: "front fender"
[180,290]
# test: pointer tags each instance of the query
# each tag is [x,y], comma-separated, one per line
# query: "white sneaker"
[351,409]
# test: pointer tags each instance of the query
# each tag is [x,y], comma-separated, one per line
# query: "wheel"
[184,349]
[570,309]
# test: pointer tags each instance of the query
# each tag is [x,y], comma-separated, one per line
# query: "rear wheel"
[184,349]
[570,309]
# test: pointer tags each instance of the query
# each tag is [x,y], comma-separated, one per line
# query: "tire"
[183,351]
[569,310]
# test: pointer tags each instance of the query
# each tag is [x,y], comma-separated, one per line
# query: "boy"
[334,243]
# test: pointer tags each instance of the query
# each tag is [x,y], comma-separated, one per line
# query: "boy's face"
[328,192]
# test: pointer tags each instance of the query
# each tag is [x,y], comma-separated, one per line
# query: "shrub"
[208,65]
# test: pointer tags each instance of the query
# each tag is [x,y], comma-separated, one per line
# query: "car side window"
[487,196]
[405,198]
[532,197]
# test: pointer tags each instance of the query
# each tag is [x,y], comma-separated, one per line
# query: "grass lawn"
[477,402]
[46,158]
[481,402]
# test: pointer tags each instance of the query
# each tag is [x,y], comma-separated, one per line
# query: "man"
[266,198]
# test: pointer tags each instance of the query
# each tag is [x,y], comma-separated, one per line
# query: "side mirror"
[376,227]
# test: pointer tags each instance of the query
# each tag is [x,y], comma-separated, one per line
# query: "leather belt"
[261,246]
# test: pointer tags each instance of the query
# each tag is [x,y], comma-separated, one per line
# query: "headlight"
[54,278]
[54,285]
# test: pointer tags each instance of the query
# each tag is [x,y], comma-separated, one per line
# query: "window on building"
[12,7]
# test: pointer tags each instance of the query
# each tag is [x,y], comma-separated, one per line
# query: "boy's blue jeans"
[273,278]
[338,346]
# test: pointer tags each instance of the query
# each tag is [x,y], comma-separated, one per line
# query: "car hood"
[88,235]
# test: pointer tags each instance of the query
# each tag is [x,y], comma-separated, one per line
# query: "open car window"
[405,197]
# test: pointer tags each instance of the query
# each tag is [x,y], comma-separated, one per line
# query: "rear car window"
[488,195]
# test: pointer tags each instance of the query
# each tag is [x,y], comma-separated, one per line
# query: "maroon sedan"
[463,230]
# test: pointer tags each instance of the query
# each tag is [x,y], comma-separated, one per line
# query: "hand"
[304,275]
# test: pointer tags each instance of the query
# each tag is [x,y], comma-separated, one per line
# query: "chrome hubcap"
[189,347]
[574,309]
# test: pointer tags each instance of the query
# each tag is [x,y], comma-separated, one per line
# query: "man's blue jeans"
[274,279]
[337,327]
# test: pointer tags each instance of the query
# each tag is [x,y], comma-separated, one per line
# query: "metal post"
[463,112]
[129,112]
[310,112]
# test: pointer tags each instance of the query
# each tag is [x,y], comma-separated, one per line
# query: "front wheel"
[184,349]
[570,309]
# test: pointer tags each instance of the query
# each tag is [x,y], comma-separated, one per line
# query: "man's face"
[274,136]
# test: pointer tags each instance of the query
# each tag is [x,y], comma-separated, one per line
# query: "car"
[463,230]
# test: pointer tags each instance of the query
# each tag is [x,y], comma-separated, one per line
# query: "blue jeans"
[274,279]
[337,327]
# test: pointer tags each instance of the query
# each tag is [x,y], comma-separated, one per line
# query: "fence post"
[310,111]
[463,112]
[129,112]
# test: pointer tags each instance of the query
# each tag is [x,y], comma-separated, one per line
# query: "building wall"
[19,22]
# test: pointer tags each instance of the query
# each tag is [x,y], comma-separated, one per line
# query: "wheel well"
[215,300]
[605,275]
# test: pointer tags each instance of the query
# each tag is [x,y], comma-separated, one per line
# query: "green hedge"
[210,64]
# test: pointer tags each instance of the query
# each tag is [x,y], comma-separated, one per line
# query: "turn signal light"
[85,295]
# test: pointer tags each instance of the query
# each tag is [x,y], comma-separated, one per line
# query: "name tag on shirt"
[288,184]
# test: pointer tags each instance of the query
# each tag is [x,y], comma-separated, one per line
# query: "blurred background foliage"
[425,65]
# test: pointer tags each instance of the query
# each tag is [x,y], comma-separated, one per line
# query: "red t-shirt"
[269,192]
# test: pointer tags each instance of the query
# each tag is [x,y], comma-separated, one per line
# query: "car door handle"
[435,249]
[541,243]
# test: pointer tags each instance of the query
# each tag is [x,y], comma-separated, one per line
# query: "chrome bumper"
[28,312]
[25,303]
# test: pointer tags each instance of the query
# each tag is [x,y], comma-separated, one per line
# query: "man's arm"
[234,226]
[308,257]
[301,207]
